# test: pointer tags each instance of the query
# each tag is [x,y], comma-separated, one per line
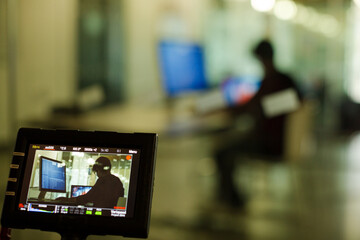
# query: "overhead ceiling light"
[285,10]
[302,14]
[312,19]
[263,5]
[329,26]
[357,2]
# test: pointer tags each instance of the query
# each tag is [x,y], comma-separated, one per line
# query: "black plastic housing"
[136,226]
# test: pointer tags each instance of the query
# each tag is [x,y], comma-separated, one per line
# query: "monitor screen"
[52,175]
[182,67]
[80,180]
[77,190]
[239,90]
[234,91]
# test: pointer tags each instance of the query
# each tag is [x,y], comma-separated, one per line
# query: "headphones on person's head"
[102,164]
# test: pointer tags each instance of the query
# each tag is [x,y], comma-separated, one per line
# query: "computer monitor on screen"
[52,175]
[78,190]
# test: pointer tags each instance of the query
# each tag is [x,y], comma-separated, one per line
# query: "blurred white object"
[282,102]
[263,5]
[211,101]
[91,97]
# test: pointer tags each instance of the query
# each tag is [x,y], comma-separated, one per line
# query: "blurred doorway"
[101,48]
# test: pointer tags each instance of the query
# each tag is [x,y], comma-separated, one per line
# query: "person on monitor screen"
[106,191]
[267,135]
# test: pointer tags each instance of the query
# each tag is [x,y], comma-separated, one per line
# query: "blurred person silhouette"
[106,191]
[267,136]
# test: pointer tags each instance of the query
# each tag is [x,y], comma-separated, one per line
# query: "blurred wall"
[44,52]
[46,61]
[141,74]
[4,120]
[45,56]
[229,40]
[143,30]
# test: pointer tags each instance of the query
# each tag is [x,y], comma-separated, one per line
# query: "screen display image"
[239,90]
[79,190]
[52,175]
[79,180]
[234,91]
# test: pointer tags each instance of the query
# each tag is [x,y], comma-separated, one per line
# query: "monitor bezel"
[41,176]
[136,226]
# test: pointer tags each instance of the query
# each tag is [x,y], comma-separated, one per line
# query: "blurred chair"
[262,170]
[298,132]
[259,172]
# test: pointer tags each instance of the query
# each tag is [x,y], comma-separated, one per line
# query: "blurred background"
[160,66]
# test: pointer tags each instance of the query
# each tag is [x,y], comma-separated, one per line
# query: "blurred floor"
[317,198]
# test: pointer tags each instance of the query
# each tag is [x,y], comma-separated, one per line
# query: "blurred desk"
[136,118]
[125,118]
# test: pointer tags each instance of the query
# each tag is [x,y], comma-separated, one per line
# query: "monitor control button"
[19,154]
[14,166]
